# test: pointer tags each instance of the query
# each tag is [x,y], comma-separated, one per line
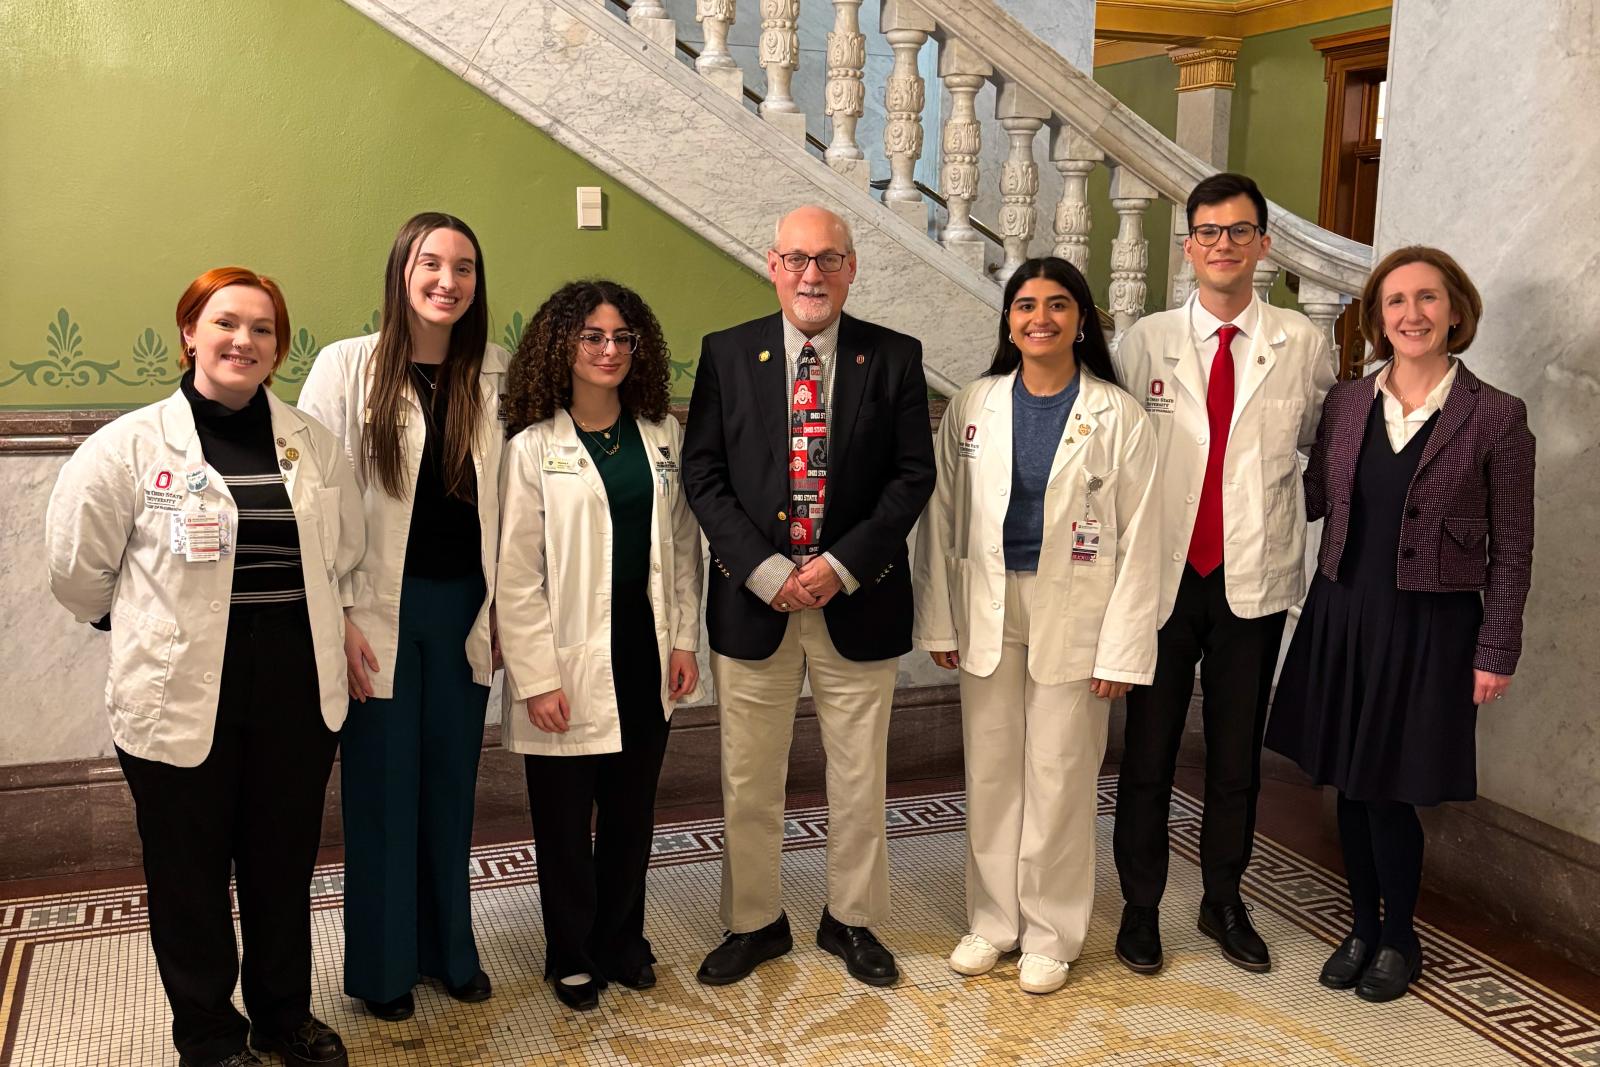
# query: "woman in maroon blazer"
[1424,474]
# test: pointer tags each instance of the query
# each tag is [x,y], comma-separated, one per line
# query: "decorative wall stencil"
[371,325]
[302,350]
[512,337]
[153,364]
[64,363]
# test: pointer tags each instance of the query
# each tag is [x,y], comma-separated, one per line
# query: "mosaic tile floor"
[79,984]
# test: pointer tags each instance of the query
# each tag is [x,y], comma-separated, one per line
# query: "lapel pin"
[1083,429]
[292,453]
[285,464]
[860,359]
[282,442]
[1261,359]
[1095,483]
[764,356]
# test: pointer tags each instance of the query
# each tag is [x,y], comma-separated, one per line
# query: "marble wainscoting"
[595,84]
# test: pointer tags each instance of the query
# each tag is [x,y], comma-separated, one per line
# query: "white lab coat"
[335,394]
[109,551]
[1090,618]
[555,581]
[1278,395]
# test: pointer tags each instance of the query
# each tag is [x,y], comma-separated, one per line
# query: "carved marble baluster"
[846,93]
[1182,278]
[1021,114]
[963,72]
[716,64]
[1323,306]
[906,27]
[780,54]
[1075,156]
[651,18]
[1266,274]
[1130,252]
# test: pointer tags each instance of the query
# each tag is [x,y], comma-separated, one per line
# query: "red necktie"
[1205,544]
[808,455]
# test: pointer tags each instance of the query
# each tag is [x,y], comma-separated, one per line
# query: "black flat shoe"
[584,997]
[313,1043]
[864,955]
[392,1011]
[1229,926]
[1344,967]
[644,977]
[739,954]
[473,990]
[1389,975]
[1139,939]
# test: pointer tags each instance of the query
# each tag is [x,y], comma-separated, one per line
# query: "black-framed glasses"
[827,262]
[593,342]
[1240,233]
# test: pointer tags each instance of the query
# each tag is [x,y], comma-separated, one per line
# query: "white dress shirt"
[1206,325]
[1402,427]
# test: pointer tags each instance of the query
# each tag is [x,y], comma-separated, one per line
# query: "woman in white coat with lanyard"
[599,601]
[1036,576]
[416,407]
[210,532]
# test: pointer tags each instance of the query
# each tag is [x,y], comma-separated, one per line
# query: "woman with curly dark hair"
[599,608]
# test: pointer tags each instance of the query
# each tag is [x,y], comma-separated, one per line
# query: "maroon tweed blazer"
[1468,522]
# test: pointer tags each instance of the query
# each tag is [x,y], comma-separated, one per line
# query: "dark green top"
[630,489]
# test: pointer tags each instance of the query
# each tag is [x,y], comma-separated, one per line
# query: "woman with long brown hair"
[600,606]
[416,406]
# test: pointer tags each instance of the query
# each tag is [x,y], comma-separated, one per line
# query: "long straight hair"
[1090,352]
[391,368]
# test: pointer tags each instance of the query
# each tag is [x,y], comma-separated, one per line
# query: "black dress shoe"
[392,1011]
[310,1044]
[1344,967]
[739,954]
[1139,939]
[473,990]
[642,977]
[245,1058]
[1229,926]
[1389,975]
[582,997]
[864,955]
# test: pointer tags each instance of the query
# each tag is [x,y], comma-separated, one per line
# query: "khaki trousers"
[1033,756]
[757,700]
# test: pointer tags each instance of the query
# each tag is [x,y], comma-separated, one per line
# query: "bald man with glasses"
[807,459]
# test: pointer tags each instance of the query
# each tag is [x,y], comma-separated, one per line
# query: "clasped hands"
[1098,686]
[810,585]
[552,713]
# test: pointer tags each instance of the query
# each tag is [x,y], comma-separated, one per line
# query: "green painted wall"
[147,140]
[1279,101]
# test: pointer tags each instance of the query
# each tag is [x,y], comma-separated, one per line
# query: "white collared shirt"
[1205,326]
[1401,426]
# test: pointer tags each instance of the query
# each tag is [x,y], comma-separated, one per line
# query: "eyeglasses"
[593,343]
[1240,233]
[827,262]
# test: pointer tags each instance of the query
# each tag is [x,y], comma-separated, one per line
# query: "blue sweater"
[1037,423]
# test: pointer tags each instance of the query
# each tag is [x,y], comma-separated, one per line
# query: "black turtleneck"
[239,446]
[444,541]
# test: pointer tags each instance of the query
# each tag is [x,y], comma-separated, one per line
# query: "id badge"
[1086,540]
[202,536]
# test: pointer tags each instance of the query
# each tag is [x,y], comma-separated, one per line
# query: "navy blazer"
[880,475]
[1468,521]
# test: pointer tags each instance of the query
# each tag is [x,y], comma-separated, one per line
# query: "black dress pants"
[1237,658]
[592,897]
[252,807]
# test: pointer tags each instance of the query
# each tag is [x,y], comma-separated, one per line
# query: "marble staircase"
[681,126]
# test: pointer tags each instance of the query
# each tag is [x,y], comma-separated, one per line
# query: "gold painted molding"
[1182,21]
[1207,65]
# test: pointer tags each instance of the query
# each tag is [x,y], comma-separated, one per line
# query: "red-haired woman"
[209,533]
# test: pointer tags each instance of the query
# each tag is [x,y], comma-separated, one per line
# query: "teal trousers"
[409,770]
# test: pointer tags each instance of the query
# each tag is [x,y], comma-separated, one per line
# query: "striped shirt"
[238,445]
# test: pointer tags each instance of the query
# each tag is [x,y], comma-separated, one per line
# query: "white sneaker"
[1041,974]
[973,955]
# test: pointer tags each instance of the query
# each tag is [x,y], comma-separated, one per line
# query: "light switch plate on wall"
[591,214]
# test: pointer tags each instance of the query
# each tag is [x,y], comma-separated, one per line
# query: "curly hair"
[540,378]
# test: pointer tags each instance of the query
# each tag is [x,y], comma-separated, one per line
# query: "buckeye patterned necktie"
[808,455]
[1205,544]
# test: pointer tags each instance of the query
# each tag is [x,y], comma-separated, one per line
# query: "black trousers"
[253,806]
[592,897]
[1236,658]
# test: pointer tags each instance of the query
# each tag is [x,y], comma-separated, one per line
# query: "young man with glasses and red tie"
[807,459]
[1234,387]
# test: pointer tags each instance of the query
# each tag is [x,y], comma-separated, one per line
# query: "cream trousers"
[1033,755]
[757,700]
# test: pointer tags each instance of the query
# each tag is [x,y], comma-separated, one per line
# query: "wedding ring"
[783,606]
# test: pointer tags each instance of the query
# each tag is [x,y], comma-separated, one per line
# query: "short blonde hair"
[1464,299]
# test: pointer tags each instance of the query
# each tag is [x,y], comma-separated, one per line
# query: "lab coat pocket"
[1078,604]
[1280,428]
[141,660]
[573,664]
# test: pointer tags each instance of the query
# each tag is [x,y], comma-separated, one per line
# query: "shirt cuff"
[768,578]
[845,577]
